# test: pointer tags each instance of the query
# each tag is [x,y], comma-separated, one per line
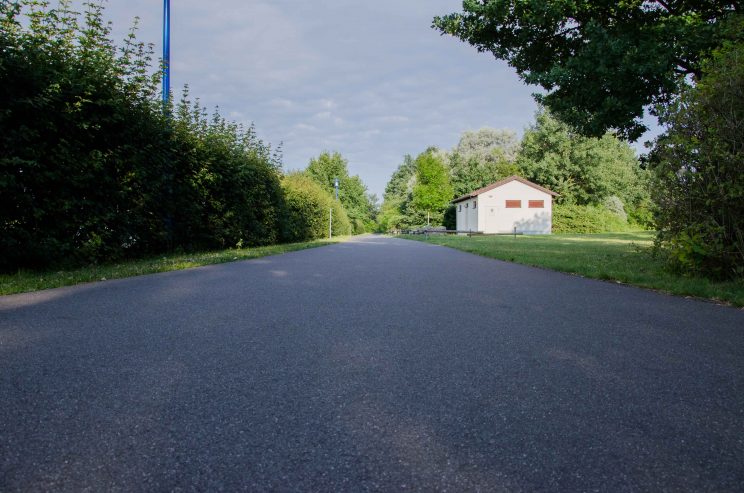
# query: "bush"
[358,226]
[450,217]
[699,170]
[571,218]
[306,210]
[91,167]
[614,204]
[642,216]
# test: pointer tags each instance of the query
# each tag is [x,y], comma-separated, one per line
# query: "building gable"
[500,183]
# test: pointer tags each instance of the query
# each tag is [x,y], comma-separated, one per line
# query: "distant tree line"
[354,212]
[601,183]
[93,168]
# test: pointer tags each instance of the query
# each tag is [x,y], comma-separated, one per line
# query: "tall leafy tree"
[482,157]
[432,192]
[488,144]
[600,61]
[397,197]
[352,193]
[583,170]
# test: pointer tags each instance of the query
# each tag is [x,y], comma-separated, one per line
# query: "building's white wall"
[472,215]
[459,216]
[467,216]
[496,218]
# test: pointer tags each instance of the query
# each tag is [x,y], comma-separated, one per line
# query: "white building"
[507,204]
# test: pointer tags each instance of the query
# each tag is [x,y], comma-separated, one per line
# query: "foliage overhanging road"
[376,364]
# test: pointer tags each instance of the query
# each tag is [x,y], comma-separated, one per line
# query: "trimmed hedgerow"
[307,209]
[93,168]
[572,218]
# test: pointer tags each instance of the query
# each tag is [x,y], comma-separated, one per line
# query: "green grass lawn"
[25,281]
[623,257]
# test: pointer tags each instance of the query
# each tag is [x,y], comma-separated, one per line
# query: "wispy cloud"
[371,80]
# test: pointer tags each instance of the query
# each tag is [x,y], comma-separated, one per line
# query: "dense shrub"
[306,210]
[699,169]
[450,217]
[358,204]
[641,216]
[93,169]
[232,178]
[572,218]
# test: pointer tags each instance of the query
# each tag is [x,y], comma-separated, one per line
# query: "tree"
[352,193]
[488,144]
[583,170]
[402,181]
[306,212]
[397,197]
[698,169]
[482,157]
[601,61]
[432,191]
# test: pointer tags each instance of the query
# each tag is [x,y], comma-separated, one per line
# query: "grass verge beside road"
[26,281]
[623,257]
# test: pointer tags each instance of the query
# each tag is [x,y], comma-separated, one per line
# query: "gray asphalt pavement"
[377,364]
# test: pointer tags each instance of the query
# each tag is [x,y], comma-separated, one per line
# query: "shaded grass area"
[25,281]
[623,257]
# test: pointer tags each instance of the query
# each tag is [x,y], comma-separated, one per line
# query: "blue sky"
[369,79]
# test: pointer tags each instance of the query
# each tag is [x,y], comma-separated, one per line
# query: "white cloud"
[393,119]
[282,103]
[371,80]
[305,127]
[328,104]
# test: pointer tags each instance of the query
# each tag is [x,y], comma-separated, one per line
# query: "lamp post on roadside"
[166,52]
[330,211]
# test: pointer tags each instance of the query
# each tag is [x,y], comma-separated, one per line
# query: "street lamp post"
[330,211]
[166,52]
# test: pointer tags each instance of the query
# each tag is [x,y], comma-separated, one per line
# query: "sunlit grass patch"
[25,281]
[620,257]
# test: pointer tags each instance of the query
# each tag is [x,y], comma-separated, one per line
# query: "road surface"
[377,364]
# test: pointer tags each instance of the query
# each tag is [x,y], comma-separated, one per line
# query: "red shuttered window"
[537,204]
[513,204]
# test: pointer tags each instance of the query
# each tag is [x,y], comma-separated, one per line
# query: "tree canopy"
[432,192]
[418,188]
[351,191]
[482,157]
[600,61]
[398,193]
[583,170]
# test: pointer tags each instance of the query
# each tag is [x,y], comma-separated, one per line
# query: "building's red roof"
[504,182]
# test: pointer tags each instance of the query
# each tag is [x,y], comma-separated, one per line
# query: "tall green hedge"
[307,206]
[572,218]
[91,166]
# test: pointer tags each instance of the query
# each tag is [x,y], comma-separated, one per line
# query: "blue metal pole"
[166,97]
[166,51]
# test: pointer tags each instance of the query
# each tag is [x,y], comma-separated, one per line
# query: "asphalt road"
[378,364]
